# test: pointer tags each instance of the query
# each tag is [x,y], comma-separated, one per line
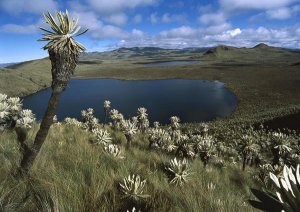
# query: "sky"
[161,23]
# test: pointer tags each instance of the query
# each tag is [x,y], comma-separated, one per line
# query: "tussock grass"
[71,174]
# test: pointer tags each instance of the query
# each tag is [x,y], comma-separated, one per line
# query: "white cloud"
[212,18]
[276,14]
[255,4]
[183,31]
[112,6]
[108,31]
[88,20]
[234,32]
[186,36]
[296,8]
[215,22]
[100,31]
[206,8]
[215,29]
[280,13]
[137,33]
[153,18]
[19,29]
[15,7]
[137,18]
[117,19]
[97,29]
[167,18]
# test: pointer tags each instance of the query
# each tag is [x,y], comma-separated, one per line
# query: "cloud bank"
[121,21]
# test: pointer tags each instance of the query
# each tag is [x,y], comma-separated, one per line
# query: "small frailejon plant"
[106,107]
[179,171]
[133,210]
[130,129]
[13,116]
[113,150]
[72,122]
[287,197]
[183,145]
[142,117]
[116,117]
[90,122]
[206,149]
[133,188]
[280,147]
[102,136]
[248,149]
[161,139]
[175,122]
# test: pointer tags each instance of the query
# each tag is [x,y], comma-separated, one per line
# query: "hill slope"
[259,53]
[25,78]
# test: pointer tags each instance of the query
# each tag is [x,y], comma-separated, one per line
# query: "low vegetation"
[87,165]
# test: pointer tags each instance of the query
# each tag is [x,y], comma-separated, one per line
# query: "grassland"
[75,175]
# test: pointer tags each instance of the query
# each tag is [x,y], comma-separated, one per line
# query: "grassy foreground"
[74,175]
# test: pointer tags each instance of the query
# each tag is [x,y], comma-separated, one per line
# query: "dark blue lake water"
[191,100]
[171,63]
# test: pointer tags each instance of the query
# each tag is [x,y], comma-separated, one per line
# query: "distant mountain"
[261,45]
[259,52]
[4,65]
[152,52]
[220,50]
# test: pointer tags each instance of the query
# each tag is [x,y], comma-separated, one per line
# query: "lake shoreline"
[192,100]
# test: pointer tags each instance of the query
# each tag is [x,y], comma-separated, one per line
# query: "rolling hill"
[261,53]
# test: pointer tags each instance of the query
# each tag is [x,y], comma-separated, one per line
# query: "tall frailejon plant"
[63,52]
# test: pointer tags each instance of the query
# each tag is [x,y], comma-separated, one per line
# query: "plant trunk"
[22,136]
[106,113]
[276,157]
[205,163]
[128,138]
[30,154]
[244,163]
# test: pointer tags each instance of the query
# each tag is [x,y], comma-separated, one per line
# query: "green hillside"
[25,78]
[261,53]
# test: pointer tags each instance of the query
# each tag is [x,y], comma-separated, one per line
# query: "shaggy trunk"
[63,65]
[150,144]
[205,162]
[106,113]
[244,162]
[129,139]
[22,136]
[30,154]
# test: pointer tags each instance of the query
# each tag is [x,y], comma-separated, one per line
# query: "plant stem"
[30,154]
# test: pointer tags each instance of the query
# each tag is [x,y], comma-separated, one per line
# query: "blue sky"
[163,23]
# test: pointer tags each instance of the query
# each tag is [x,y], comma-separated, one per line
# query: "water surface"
[191,100]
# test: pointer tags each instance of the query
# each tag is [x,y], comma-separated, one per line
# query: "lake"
[172,63]
[191,100]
